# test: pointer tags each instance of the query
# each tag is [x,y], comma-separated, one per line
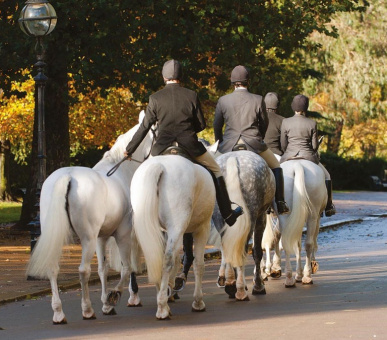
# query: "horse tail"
[214,238]
[292,231]
[56,232]
[235,238]
[146,223]
[135,254]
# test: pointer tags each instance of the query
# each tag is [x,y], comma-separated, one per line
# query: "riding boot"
[229,215]
[282,207]
[330,208]
[188,253]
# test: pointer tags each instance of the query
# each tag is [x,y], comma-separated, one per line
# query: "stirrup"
[330,210]
[282,208]
[230,220]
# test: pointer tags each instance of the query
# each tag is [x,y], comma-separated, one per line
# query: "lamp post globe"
[38,19]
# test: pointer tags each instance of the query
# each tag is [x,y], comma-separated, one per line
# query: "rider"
[245,116]
[178,113]
[299,140]
[273,133]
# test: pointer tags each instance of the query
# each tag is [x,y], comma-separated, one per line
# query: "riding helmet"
[272,101]
[172,70]
[300,103]
[239,74]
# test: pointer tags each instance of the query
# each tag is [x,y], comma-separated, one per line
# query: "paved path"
[348,300]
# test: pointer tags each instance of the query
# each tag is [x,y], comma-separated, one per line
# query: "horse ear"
[141,116]
[214,147]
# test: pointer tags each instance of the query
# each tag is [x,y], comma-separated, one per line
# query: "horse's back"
[183,186]
[314,181]
[256,178]
[88,197]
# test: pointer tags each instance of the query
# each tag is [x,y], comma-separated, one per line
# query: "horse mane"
[116,153]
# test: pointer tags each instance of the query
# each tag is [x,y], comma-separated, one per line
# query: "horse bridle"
[114,168]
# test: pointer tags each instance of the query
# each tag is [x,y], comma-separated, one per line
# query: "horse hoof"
[290,286]
[256,291]
[315,267]
[93,317]
[133,305]
[307,281]
[62,322]
[198,310]
[179,284]
[112,312]
[231,289]
[165,319]
[171,299]
[276,274]
[114,297]
[221,282]
[176,296]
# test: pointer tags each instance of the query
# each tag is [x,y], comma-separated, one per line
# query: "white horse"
[306,195]
[171,196]
[94,206]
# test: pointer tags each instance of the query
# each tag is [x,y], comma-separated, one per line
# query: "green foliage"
[9,212]
[352,173]
[353,89]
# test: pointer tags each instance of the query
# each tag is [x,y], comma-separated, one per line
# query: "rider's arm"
[218,123]
[149,119]
[199,121]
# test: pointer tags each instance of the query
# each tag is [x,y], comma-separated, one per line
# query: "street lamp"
[37,19]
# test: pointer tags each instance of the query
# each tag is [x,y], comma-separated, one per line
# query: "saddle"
[175,149]
[239,147]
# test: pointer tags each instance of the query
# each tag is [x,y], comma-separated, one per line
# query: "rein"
[114,168]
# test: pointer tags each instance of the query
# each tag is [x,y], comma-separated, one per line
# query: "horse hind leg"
[134,298]
[241,294]
[299,271]
[59,317]
[103,269]
[200,239]
[88,250]
[222,274]
[230,284]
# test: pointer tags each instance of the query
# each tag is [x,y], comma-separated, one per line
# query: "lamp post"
[37,19]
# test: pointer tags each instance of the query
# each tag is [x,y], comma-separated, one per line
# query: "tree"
[112,43]
[352,90]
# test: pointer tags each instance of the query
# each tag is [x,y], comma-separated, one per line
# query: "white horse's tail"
[234,238]
[56,232]
[145,202]
[292,231]
[214,238]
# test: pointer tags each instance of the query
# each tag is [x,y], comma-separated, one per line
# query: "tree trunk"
[5,185]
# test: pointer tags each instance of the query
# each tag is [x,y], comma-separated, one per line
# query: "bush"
[351,173]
